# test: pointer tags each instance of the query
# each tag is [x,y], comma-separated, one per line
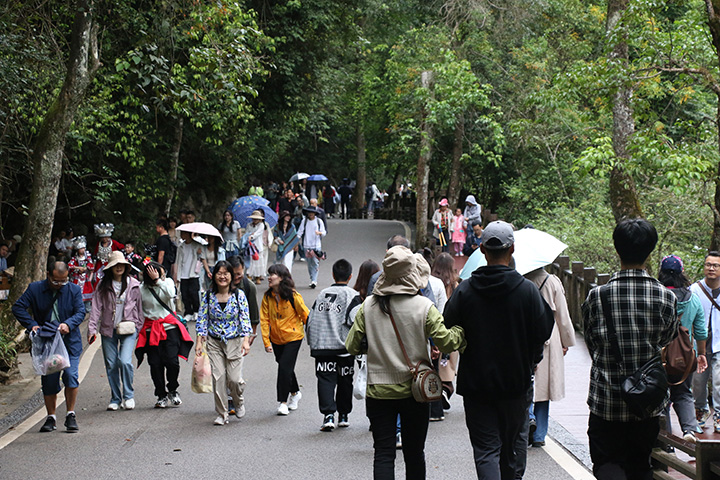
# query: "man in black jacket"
[506,324]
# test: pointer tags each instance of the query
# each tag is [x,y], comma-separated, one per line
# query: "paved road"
[182,442]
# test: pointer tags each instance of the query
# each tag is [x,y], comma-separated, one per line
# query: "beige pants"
[226,362]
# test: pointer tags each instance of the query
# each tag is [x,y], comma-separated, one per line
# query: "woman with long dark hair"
[283,316]
[230,230]
[286,239]
[365,273]
[444,269]
[117,300]
[691,315]
[223,328]
[396,303]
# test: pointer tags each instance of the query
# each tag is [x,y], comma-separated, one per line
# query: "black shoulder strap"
[612,333]
[162,304]
[543,284]
[707,294]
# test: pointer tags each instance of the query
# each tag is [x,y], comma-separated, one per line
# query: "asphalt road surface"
[182,442]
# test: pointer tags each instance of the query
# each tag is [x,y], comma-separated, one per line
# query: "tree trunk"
[358,199]
[48,152]
[175,160]
[713,7]
[456,168]
[623,195]
[423,170]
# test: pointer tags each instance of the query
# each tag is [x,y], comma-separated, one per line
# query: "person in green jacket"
[396,299]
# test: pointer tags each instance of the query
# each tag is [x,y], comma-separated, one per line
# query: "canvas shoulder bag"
[426,383]
[645,390]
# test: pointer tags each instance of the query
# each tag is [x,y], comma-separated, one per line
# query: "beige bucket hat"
[115,258]
[404,273]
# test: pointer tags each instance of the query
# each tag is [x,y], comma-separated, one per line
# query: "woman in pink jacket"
[118,315]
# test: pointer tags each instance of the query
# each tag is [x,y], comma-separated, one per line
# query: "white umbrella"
[201,228]
[298,176]
[533,249]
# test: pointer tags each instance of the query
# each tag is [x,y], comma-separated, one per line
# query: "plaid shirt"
[644,313]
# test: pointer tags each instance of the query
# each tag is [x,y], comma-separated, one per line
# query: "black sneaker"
[174,398]
[533,427]
[328,423]
[343,421]
[71,423]
[231,407]
[49,425]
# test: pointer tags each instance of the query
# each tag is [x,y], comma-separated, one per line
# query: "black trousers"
[494,430]
[621,450]
[414,418]
[286,356]
[164,363]
[335,383]
[190,292]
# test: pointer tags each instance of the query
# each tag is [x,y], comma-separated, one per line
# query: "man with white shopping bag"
[46,303]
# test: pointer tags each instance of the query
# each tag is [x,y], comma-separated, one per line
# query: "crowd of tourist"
[507,364]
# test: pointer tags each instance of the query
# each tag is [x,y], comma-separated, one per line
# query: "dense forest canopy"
[194,99]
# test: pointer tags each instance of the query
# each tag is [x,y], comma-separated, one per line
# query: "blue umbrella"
[250,200]
[242,213]
[318,177]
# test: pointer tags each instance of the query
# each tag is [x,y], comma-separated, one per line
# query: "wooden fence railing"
[578,280]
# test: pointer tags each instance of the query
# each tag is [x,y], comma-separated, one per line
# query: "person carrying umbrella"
[442,219]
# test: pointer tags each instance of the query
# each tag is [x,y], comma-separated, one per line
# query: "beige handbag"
[125,328]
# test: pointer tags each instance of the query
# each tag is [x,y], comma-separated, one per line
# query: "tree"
[623,194]
[47,155]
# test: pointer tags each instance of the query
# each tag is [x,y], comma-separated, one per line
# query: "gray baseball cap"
[498,235]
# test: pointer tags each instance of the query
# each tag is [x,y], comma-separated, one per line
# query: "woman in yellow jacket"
[283,316]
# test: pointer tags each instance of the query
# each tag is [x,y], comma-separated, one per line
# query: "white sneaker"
[690,437]
[220,420]
[113,407]
[128,404]
[292,403]
[240,411]
[282,409]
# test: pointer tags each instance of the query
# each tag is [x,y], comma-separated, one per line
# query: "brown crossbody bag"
[426,383]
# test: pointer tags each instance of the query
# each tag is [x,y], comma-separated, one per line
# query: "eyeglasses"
[712,266]
[59,284]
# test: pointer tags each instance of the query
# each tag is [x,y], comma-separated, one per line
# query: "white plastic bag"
[360,384]
[49,355]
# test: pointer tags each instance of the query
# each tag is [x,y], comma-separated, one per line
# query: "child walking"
[329,322]
[459,233]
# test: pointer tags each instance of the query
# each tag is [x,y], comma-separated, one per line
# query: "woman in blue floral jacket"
[223,328]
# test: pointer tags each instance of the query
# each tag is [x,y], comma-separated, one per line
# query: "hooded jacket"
[472,211]
[506,324]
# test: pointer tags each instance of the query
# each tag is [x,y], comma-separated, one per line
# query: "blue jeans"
[313,264]
[118,353]
[540,411]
